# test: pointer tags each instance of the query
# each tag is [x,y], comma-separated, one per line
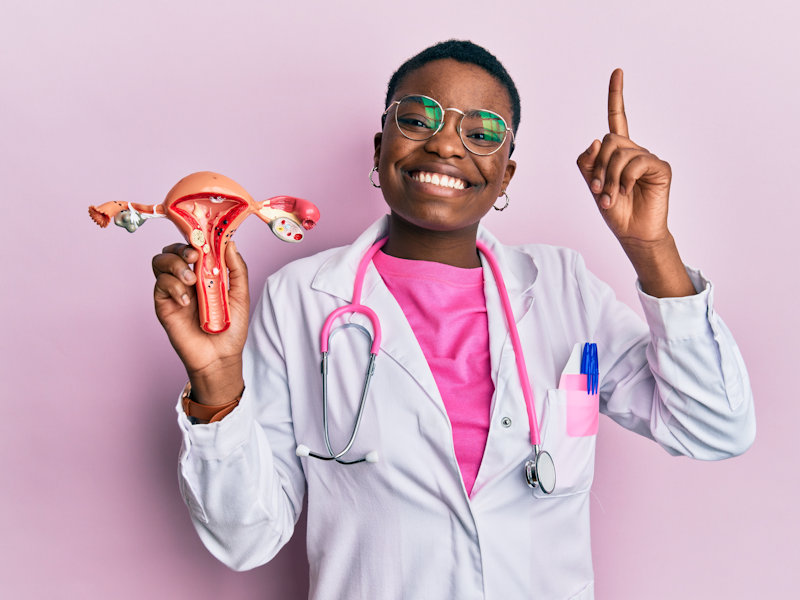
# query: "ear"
[511,168]
[377,157]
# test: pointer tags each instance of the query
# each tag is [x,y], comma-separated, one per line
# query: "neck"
[455,248]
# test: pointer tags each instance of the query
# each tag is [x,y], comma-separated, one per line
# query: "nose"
[447,141]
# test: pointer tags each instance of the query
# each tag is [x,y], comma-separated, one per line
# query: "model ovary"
[207,208]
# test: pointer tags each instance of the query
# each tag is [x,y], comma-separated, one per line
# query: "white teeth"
[440,180]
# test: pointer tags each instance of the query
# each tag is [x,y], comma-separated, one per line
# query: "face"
[404,164]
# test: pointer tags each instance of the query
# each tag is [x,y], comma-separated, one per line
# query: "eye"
[412,121]
[419,116]
[484,135]
[483,128]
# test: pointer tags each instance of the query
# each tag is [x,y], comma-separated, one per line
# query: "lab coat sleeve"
[681,380]
[240,478]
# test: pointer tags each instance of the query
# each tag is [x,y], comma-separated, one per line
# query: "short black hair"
[466,52]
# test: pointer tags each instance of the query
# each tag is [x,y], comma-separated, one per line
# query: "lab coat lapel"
[398,342]
[337,274]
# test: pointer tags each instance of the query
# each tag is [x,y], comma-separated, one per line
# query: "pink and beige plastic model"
[207,208]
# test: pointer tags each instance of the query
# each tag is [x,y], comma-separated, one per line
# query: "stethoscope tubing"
[522,369]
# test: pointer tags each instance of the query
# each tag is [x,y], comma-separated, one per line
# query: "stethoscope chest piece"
[540,471]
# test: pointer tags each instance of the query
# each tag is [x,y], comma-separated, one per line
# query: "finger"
[172,264]
[645,166]
[611,142]
[617,121]
[188,253]
[170,287]
[586,160]
[239,288]
[612,186]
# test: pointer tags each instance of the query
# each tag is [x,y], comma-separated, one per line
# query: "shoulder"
[305,267]
[330,270]
[548,254]
[300,273]
[545,257]
[556,275]
[550,263]
[289,297]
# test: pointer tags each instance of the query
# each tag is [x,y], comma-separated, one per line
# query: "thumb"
[239,291]
[586,160]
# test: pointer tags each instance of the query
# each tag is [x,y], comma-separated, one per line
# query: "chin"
[433,221]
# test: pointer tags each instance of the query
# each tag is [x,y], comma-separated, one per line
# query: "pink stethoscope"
[539,469]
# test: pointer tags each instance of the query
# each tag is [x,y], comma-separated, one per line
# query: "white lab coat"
[405,527]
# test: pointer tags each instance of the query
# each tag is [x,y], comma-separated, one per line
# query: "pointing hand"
[630,184]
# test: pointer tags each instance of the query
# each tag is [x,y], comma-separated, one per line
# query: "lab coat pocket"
[573,455]
[583,409]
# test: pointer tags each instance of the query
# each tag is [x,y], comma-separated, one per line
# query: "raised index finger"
[617,122]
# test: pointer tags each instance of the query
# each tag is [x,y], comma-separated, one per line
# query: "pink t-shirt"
[446,309]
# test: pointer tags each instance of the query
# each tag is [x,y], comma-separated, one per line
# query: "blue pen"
[590,368]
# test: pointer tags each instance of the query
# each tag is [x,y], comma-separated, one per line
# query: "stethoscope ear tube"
[371,457]
[362,403]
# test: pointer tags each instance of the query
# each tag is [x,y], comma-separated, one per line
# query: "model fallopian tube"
[207,208]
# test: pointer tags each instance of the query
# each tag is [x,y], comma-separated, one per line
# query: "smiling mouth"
[440,179]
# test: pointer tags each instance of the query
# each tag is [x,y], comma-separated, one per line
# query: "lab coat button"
[505,422]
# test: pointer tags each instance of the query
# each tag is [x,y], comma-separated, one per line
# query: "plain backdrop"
[103,100]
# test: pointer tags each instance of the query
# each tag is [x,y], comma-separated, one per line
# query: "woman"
[444,506]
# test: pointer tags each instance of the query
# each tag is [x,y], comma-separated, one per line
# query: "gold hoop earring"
[371,173]
[504,205]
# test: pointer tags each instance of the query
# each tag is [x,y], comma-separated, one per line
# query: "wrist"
[217,384]
[662,245]
[659,267]
[206,413]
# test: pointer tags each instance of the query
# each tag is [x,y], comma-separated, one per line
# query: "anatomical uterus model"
[207,208]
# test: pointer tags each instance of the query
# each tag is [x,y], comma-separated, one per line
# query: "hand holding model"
[207,208]
[213,362]
[631,188]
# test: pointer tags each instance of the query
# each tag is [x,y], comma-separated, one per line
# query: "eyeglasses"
[420,118]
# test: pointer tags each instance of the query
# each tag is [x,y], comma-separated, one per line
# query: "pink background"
[118,100]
